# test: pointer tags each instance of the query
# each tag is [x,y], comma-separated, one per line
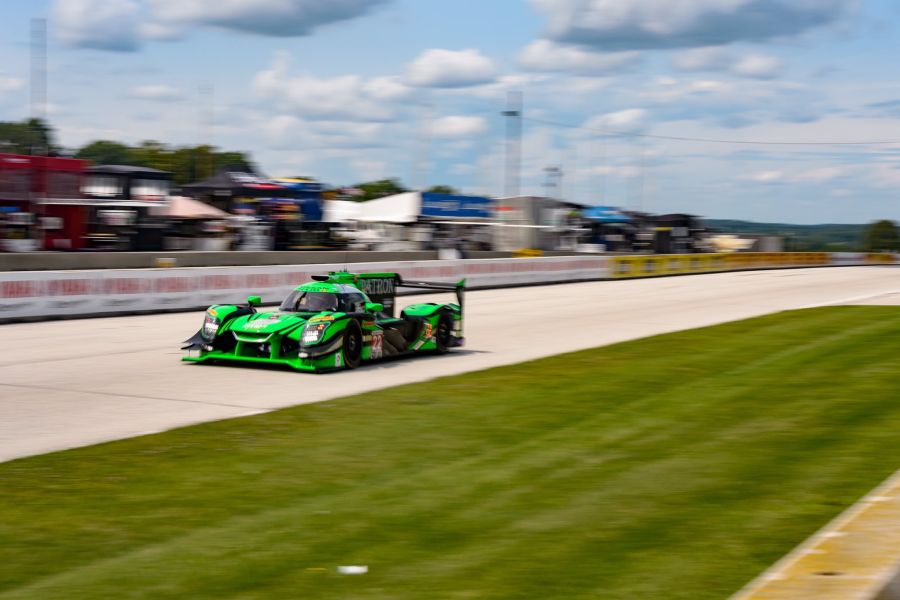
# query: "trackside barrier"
[30,295]
[47,294]
[678,264]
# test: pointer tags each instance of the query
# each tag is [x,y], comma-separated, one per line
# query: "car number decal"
[377,344]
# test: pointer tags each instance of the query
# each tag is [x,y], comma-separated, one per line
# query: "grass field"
[677,466]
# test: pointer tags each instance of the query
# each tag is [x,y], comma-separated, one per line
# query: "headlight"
[312,333]
[210,327]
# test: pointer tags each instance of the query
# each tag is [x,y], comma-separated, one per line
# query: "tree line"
[186,163]
[193,163]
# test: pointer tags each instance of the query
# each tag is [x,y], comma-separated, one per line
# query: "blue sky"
[351,90]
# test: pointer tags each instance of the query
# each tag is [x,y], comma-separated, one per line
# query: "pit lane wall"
[37,295]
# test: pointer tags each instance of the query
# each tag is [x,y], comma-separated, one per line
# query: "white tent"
[182,207]
[340,211]
[399,208]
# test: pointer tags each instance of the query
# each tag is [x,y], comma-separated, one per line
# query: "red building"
[27,221]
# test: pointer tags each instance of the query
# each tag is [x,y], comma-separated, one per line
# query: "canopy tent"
[307,195]
[605,214]
[237,182]
[398,208]
[340,211]
[410,207]
[182,207]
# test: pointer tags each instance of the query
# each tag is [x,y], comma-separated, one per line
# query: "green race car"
[337,321]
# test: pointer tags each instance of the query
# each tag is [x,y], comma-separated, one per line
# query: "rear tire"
[443,334]
[352,347]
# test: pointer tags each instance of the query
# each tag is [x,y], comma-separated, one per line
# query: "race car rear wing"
[459,287]
[381,287]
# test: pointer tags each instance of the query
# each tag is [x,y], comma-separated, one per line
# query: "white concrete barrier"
[33,295]
[48,294]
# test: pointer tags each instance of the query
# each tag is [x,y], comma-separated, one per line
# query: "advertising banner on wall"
[48,294]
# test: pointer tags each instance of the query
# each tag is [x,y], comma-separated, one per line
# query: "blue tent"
[307,195]
[605,214]
[449,206]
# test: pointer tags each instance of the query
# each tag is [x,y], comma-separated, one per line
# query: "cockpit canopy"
[329,297]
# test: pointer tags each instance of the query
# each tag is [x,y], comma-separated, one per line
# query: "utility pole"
[422,155]
[553,181]
[38,99]
[513,114]
[206,122]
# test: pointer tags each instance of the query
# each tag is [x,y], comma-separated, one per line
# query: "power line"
[696,139]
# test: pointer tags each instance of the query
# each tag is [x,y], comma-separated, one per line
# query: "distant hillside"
[829,237]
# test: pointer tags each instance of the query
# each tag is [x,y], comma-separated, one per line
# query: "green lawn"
[678,466]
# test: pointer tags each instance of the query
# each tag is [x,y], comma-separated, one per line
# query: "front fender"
[226,313]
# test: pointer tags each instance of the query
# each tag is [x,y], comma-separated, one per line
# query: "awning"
[182,207]
[399,208]
[605,214]
[340,211]
[408,207]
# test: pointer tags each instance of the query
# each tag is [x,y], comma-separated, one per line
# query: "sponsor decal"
[212,312]
[379,287]
[377,344]
[428,329]
[318,288]
[321,318]
[261,323]
[338,359]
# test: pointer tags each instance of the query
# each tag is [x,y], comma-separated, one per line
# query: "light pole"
[513,114]
[553,180]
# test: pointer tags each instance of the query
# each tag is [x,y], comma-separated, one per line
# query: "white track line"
[774,573]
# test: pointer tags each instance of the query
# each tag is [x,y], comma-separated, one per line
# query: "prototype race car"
[339,320]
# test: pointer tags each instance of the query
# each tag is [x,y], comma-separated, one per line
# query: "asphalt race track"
[72,383]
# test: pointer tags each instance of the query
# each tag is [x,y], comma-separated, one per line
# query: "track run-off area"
[72,383]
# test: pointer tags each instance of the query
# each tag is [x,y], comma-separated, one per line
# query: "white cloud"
[626,171]
[98,24]
[386,88]
[757,66]
[281,18]
[369,170]
[545,55]
[772,176]
[160,31]
[292,132]
[121,25]
[345,97]
[159,92]
[10,84]
[498,88]
[820,174]
[709,58]
[450,68]
[813,175]
[645,24]
[630,120]
[458,126]
[718,58]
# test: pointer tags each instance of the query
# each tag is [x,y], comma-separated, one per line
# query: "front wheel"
[352,348]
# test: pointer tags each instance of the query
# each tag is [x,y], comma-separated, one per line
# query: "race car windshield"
[309,302]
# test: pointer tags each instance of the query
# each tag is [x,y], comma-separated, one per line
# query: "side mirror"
[253,301]
[374,307]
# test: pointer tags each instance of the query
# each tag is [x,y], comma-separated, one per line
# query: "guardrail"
[35,295]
